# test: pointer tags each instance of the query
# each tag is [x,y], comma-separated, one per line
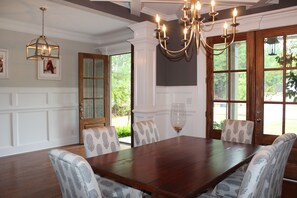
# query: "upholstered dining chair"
[145,132]
[103,140]
[100,140]
[75,176]
[240,131]
[253,180]
[273,187]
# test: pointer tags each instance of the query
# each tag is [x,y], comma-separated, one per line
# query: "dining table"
[182,166]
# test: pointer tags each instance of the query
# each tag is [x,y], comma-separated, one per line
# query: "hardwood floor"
[31,175]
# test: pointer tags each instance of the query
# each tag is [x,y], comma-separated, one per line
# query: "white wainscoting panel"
[37,118]
[31,99]
[5,100]
[64,124]
[165,96]
[5,130]
[32,127]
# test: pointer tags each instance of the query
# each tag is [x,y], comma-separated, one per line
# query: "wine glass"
[178,116]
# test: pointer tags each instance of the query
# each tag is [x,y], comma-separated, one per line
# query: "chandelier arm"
[206,25]
[177,51]
[218,49]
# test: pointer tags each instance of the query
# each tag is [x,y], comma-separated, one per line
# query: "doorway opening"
[121,95]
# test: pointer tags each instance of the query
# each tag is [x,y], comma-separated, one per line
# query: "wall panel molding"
[37,118]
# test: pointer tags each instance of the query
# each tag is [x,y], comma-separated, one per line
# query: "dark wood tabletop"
[178,167]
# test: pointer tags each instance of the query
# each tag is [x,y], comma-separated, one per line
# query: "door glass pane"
[99,68]
[88,108]
[99,88]
[238,55]
[220,61]
[220,112]
[88,88]
[238,86]
[238,111]
[273,86]
[291,50]
[99,108]
[291,86]
[88,67]
[273,114]
[273,52]
[291,119]
[220,86]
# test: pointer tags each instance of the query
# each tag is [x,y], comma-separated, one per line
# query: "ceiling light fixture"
[194,26]
[41,48]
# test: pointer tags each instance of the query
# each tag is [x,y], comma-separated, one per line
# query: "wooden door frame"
[98,121]
[250,69]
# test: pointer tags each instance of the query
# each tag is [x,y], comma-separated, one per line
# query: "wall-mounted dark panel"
[176,72]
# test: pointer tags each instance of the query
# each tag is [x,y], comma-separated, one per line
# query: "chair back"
[100,140]
[254,178]
[145,132]
[240,131]
[273,183]
[75,176]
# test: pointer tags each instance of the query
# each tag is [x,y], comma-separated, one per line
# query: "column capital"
[144,32]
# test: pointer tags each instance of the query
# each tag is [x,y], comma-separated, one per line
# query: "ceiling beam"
[135,7]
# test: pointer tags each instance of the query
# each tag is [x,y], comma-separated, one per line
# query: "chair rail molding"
[37,118]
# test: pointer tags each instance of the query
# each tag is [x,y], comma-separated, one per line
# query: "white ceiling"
[67,20]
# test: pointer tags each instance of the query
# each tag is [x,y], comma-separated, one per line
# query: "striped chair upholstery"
[253,180]
[75,176]
[103,140]
[273,187]
[240,131]
[145,132]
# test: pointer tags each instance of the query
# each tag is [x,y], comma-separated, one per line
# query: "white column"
[145,43]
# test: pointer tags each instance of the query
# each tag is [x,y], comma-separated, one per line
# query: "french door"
[93,91]
[276,85]
[229,86]
[256,79]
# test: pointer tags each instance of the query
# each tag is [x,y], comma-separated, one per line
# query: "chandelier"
[194,26]
[41,48]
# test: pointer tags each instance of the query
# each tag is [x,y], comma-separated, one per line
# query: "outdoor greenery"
[121,93]
[123,131]
[121,84]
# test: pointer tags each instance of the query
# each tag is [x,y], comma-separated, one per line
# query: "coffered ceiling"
[72,20]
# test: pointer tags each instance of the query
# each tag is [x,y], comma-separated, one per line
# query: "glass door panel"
[273,114]
[88,88]
[220,83]
[220,112]
[273,52]
[238,86]
[238,111]
[93,96]
[99,68]
[238,54]
[88,67]
[273,85]
[99,88]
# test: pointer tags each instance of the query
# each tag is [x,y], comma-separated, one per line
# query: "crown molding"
[49,32]
[153,12]
[118,48]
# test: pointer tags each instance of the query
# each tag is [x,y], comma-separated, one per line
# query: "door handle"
[81,110]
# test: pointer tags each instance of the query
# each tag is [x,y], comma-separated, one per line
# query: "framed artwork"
[3,63]
[49,69]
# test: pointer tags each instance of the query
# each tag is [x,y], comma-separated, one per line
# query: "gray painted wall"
[23,73]
[172,72]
